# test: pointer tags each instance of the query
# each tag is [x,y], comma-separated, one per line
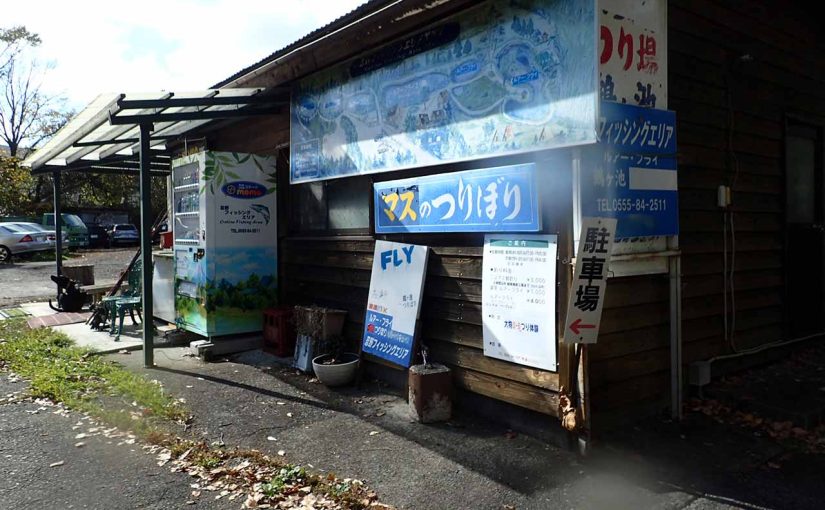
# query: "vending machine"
[225,241]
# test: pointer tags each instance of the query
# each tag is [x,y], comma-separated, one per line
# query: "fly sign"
[584,309]
[394,301]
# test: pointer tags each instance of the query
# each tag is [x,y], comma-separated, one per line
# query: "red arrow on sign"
[576,326]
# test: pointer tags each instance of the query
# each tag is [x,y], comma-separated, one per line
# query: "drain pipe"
[675,277]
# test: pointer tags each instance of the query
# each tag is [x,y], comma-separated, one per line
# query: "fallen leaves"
[812,440]
[258,480]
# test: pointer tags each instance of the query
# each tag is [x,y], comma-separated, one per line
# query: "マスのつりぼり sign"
[394,301]
[518,300]
[486,200]
[584,308]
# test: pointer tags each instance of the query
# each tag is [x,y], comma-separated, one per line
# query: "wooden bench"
[98,290]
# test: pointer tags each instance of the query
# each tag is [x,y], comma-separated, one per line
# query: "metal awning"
[105,136]
[120,133]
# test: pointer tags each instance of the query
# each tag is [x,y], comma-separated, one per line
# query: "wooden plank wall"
[709,87]
[337,274]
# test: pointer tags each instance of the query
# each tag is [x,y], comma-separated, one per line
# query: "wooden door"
[805,229]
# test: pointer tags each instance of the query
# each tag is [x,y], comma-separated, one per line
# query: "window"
[331,207]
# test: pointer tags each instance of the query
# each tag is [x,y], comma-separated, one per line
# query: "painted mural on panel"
[505,77]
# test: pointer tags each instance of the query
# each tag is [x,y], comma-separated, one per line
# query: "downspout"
[675,277]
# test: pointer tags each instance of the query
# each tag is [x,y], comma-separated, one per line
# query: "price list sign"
[519,299]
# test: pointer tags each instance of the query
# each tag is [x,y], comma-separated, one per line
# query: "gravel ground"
[23,281]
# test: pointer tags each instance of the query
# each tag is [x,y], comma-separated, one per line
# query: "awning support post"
[58,223]
[146,244]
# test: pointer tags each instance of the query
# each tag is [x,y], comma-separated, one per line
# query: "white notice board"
[584,309]
[518,301]
[394,301]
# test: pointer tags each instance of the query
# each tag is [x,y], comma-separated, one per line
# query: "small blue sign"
[243,189]
[631,174]
[501,199]
[381,340]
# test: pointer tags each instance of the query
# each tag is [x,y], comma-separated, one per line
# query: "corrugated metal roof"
[341,22]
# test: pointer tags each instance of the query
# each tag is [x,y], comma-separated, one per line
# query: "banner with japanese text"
[633,52]
[518,299]
[497,199]
[503,77]
[394,301]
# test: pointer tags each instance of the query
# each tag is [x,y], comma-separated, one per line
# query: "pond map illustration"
[500,79]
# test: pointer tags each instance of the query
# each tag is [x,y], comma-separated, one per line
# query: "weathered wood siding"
[336,272]
[712,90]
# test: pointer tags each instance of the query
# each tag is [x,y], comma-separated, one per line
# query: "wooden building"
[746,82]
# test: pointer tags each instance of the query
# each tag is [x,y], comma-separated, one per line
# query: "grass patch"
[62,372]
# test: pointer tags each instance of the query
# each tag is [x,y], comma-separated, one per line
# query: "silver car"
[15,239]
[50,234]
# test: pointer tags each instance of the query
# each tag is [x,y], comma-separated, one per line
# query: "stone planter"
[337,374]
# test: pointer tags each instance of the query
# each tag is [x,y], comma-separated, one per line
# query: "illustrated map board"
[394,301]
[518,300]
[501,78]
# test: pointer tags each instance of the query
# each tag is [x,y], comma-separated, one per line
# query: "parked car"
[16,240]
[50,234]
[73,225]
[123,233]
[98,236]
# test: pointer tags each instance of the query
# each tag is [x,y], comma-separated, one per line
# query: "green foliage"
[254,293]
[15,187]
[62,372]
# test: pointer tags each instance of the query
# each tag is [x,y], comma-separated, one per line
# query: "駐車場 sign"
[489,200]
[500,78]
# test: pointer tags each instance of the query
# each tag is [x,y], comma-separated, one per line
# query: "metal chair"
[129,301]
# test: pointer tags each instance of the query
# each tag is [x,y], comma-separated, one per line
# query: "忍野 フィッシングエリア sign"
[631,173]
[487,200]
[394,301]
[502,77]
[518,299]
[584,308]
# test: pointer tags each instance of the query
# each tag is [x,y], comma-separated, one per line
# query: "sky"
[148,45]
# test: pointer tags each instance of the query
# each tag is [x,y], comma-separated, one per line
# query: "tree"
[27,114]
[15,183]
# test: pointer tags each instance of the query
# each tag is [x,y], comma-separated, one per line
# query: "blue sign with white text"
[631,174]
[380,339]
[501,199]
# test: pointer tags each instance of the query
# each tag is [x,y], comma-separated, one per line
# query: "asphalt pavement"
[43,468]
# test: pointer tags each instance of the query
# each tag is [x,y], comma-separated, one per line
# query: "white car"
[16,239]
